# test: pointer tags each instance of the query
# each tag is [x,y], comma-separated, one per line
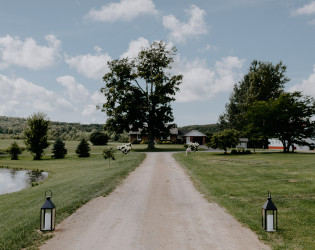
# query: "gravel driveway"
[156,207]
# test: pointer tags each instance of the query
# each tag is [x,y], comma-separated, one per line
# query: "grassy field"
[71,146]
[240,184]
[74,181]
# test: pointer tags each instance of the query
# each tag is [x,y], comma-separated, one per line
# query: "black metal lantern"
[47,214]
[269,215]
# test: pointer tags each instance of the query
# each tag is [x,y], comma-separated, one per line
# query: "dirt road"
[157,207]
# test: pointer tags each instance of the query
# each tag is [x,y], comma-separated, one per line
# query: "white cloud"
[28,53]
[201,82]
[180,31]
[19,97]
[91,66]
[307,9]
[18,94]
[125,10]
[75,91]
[135,47]
[307,86]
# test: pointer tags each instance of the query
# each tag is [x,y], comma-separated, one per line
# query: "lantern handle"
[48,195]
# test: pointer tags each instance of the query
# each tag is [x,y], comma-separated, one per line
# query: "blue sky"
[53,54]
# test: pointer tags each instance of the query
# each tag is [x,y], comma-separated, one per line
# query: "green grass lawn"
[240,183]
[71,146]
[73,181]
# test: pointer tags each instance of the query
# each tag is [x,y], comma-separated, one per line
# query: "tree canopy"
[263,82]
[36,134]
[225,139]
[288,118]
[139,92]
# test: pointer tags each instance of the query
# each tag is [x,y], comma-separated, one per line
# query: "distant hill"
[210,128]
[13,127]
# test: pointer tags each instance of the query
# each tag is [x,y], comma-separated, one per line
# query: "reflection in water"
[12,180]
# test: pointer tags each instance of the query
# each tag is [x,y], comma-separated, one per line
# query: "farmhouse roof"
[194,133]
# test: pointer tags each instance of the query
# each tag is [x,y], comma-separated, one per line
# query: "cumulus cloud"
[92,66]
[135,47]
[201,82]
[181,31]
[75,91]
[18,94]
[19,97]
[307,9]
[80,96]
[28,53]
[307,86]
[125,10]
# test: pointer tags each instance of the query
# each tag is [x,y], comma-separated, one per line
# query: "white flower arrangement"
[193,146]
[125,148]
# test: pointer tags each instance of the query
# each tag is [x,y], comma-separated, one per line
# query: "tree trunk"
[151,142]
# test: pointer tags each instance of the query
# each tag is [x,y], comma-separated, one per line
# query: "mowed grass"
[73,181]
[240,184]
[72,145]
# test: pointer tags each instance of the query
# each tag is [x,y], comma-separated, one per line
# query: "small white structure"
[242,143]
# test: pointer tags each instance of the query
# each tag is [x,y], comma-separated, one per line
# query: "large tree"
[263,82]
[139,92]
[36,134]
[290,118]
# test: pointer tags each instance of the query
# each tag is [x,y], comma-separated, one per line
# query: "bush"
[248,152]
[109,153]
[135,141]
[234,151]
[83,149]
[99,138]
[14,150]
[59,150]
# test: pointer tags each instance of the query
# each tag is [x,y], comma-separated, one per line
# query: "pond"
[13,180]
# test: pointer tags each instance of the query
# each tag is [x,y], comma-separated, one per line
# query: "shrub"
[109,153]
[14,150]
[83,149]
[135,141]
[59,150]
[234,151]
[248,151]
[99,138]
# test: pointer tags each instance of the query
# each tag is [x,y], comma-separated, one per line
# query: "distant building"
[275,143]
[187,136]
[180,136]
[242,143]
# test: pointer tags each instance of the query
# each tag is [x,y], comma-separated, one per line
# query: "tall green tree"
[139,92]
[288,118]
[36,134]
[263,82]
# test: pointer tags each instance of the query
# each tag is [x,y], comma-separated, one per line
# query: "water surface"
[13,180]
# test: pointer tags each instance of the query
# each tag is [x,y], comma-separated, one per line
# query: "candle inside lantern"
[47,220]
[270,222]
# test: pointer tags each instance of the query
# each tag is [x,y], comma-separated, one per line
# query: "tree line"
[13,128]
